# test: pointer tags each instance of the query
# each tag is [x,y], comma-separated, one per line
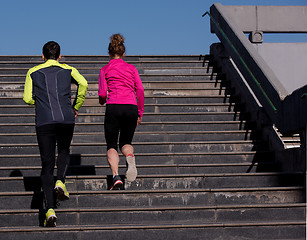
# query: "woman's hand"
[139,121]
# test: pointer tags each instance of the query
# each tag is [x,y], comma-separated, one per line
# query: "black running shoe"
[117,183]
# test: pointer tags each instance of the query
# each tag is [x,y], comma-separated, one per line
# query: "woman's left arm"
[139,90]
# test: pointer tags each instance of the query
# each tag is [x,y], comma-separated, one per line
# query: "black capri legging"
[120,119]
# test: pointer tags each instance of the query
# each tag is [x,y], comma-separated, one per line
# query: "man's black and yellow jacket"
[48,87]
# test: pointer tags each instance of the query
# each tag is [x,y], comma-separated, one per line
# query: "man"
[48,87]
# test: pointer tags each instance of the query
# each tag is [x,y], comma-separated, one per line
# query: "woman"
[120,87]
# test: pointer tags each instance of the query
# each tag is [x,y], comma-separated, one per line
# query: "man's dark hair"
[51,50]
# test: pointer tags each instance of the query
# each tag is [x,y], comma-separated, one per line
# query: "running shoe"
[131,169]
[117,183]
[61,191]
[50,220]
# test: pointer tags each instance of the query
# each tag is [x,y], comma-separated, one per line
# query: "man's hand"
[76,113]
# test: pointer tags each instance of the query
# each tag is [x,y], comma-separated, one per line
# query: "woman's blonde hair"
[116,45]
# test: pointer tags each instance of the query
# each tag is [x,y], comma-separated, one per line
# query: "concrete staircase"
[204,172]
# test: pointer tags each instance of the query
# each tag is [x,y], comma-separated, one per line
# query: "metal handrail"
[242,61]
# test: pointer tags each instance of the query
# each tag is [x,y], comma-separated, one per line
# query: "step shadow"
[76,168]
[263,160]
[33,183]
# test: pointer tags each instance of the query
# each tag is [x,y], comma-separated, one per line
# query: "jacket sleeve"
[103,88]
[139,90]
[28,90]
[82,88]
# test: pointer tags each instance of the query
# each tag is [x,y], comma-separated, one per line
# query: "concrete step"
[174,71]
[86,58]
[202,171]
[91,100]
[18,93]
[148,169]
[89,160]
[93,137]
[147,93]
[147,70]
[159,197]
[196,84]
[181,230]
[143,147]
[173,107]
[147,117]
[145,77]
[162,181]
[145,127]
[100,64]
[149,108]
[156,215]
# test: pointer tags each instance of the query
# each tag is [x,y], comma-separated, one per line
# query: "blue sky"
[84,27]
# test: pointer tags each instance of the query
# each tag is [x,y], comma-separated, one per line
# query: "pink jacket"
[120,83]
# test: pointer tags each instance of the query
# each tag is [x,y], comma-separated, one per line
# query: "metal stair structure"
[204,171]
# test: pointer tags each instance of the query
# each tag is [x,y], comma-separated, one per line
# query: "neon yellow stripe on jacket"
[81,81]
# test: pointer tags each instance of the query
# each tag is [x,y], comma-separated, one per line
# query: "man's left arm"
[28,90]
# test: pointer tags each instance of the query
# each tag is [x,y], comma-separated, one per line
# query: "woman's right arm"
[103,88]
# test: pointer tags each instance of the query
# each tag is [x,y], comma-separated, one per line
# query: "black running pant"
[120,120]
[47,137]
